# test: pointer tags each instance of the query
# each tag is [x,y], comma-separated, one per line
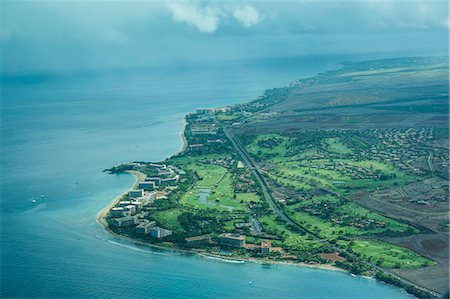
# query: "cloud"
[205,19]
[71,35]
[247,15]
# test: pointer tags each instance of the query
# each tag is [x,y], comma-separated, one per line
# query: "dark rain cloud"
[69,35]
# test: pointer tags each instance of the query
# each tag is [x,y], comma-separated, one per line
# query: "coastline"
[183,138]
[101,218]
[139,176]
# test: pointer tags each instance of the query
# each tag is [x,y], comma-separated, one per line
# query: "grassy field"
[226,117]
[294,183]
[309,168]
[310,172]
[248,197]
[215,190]
[388,255]
[291,239]
[330,230]
[336,146]
[270,144]
[168,219]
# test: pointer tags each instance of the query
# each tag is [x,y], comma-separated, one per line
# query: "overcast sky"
[44,36]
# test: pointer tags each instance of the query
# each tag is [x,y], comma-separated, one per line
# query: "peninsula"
[345,170]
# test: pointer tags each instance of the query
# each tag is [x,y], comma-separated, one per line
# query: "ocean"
[60,131]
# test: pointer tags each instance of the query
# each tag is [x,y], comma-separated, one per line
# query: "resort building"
[156,180]
[232,240]
[196,147]
[137,205]
[166,174]
[125,221]
[148,186]
[124,203]
[117,212]
[131,209]
[145,227]
[203,131]
[266,245]
[205,111]
[136,193]
[159,232]
[172,180]
[198,241]
[264,249]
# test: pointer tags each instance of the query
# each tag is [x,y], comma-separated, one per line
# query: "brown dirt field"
[332,256]
[434,245]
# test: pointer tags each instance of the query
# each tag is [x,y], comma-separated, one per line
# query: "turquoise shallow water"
[60,131]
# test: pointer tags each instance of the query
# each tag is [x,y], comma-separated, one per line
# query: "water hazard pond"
[203,195]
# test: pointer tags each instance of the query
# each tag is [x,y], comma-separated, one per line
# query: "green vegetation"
[294,241]
[330,172]
[388,255]
[214,189]
[330,218]
[268,145]
[169,219]
[226,117]
[336,146]
[333,165]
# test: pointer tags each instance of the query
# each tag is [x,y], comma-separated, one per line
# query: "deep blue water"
[60,131]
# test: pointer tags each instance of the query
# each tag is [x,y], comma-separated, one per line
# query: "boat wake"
[134,248]
[221,259]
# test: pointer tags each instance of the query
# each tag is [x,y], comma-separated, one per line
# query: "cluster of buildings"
[204,131]
[132,210]
[133,205]
[198,241]
[233,240]
[264,249]
[407,149]
[238,241]
[327,210]
[212,111]
[355,172]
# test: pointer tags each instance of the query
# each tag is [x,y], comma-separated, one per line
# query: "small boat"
[33,200]
[42,195]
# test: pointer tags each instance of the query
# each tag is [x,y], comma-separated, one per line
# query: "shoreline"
[183,138]
[140,176]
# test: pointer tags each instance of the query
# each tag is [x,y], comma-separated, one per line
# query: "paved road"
[257,173]
[280,212]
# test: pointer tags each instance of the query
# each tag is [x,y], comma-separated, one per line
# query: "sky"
[56,36]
